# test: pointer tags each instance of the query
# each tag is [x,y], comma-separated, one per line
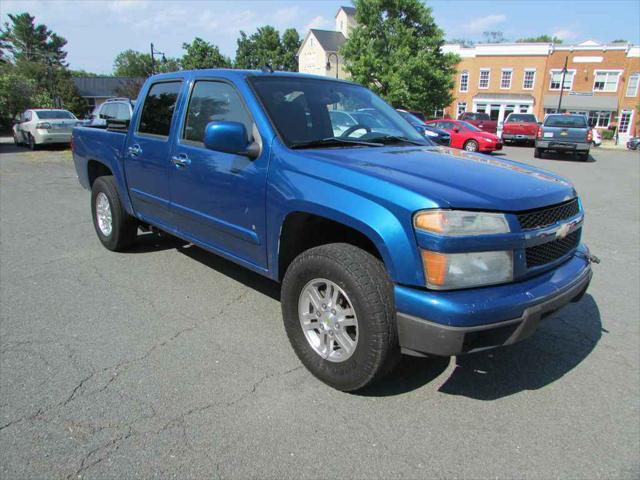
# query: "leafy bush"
[607,134]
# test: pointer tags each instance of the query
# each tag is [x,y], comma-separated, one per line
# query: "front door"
[218,198]
[147,154]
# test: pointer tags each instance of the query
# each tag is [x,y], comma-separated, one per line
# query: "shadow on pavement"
[565,157]
[560,344]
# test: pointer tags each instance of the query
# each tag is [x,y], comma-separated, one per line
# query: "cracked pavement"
[170,362]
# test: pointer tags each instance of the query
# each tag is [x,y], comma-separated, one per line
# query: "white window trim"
[458,112]
[626,89]
[468,79]
[488,79]
[510,78]
[595,74]
[629,123]
[533,83]
[569,70]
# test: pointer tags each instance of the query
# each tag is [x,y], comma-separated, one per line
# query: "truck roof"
[232,73]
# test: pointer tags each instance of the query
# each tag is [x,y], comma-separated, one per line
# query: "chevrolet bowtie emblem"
[563,231]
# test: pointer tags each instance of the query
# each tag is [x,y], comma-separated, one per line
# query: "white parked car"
[597,137]
[44,126]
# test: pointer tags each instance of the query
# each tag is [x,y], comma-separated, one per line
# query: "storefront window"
[599,119]
[462,107]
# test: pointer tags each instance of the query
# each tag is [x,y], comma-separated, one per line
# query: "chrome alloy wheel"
[103,214]
[328,320]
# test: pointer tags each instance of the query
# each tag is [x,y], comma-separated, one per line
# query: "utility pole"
[564,72]
[153,59]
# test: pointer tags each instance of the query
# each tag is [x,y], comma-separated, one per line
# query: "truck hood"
[452,178]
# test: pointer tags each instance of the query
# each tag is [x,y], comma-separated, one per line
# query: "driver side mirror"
[456,129]
[230,137]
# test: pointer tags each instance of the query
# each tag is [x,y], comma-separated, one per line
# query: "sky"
[97,30]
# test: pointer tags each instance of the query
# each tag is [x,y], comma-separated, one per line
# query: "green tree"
[395,50]
[82,73]
[540,39]
[201,54]
[131,63]
[290,45]
[16,94]
[266,47]
[26,41]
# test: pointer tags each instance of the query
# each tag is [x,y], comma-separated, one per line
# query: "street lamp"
[329,62]
[564,72]
[153,59]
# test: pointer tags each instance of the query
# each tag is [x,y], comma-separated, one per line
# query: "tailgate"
[562,134]
[521,128]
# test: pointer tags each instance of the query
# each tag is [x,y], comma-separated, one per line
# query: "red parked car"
[467,136]
[520,127]
[481,120]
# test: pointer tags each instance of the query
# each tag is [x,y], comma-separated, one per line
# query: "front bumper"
[563,146]
[451,323]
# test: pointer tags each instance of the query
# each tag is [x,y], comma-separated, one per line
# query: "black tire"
[364,279]
[538,152]
[471,146]
[584,157]
[32,142]
[124,228]
[15,140]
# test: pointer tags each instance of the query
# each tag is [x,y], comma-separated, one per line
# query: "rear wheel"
[339,314]
[116,229]
[32,142]
[583,156]
[16,140]
[471,146]
[537,153]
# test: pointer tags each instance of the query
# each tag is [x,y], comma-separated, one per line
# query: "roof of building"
[329,40]
[102,86]
[347,10]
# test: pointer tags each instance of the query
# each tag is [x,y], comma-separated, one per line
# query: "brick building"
[601,81]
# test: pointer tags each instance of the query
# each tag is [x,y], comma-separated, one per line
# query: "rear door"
[219,198]
[147,153]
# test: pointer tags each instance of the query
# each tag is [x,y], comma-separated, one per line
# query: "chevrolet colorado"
[384,242]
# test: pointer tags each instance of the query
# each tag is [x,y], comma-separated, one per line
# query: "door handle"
[135,150]
[181,160]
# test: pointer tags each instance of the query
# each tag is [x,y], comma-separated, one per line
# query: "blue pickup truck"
[383,242]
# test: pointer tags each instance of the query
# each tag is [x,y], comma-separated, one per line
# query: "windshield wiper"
[397,139]
[333,141]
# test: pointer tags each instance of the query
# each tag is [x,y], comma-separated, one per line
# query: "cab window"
[158,109]
[213,101]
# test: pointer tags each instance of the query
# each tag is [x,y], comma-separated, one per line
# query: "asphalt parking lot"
[169,362]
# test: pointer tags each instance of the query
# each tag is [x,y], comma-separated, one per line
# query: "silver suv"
[111,109]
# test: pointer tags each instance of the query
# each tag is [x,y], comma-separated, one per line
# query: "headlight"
[461,270]
[458,223]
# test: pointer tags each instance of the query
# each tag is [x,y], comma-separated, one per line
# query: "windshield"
[308,110]
[521,118]
[54,114]
[468,126]
[566,121]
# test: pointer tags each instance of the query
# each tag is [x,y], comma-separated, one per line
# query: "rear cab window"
[158,109]
[521,118]
[566,121]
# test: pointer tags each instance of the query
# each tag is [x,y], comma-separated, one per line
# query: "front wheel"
[471,146]
[116,229]
[537,153]
[339,315]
